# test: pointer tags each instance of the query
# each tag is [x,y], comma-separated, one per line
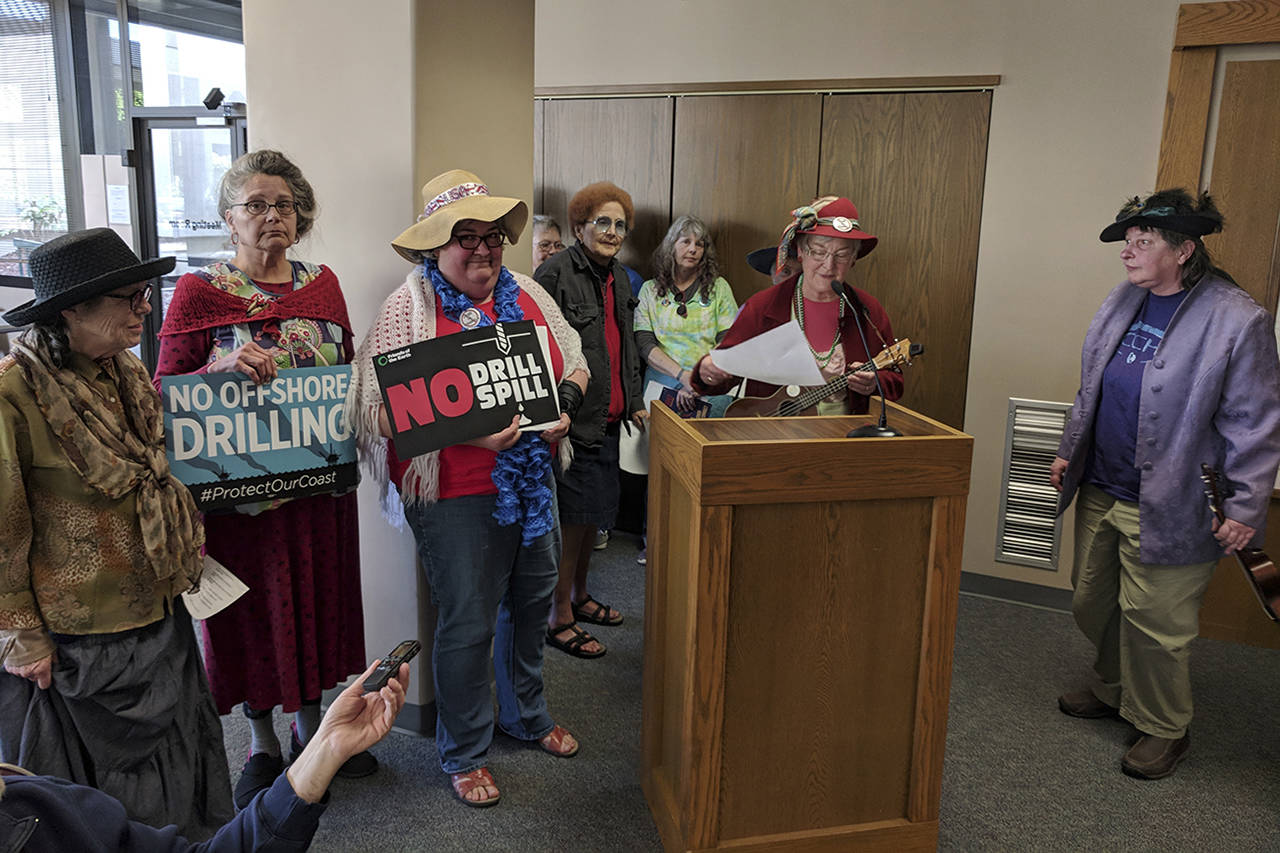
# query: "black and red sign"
[466,385]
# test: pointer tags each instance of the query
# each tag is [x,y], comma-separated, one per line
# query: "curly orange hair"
[588,199]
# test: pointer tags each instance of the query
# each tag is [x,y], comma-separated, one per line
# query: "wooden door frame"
[1203,28]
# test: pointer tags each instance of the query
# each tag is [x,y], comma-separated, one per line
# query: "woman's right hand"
[41,672]
[710,374]
[250,359]
[1056,470]
[499,441]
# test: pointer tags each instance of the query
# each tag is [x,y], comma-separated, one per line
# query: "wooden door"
[1244,176]
[623,140]
[914,163]
[742,164]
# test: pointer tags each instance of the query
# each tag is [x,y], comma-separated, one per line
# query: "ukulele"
[794,400]
[1258,568]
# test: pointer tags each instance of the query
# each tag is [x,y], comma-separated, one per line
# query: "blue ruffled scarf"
[522,471]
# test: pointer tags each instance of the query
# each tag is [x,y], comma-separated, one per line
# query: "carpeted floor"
[1019,775]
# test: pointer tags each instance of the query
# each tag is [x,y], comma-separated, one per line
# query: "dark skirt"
[588,491]
[299,629]
[129,714]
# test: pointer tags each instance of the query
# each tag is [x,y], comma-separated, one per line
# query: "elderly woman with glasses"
[103,684]
[300,627]
[546,239]
[593,290]
[824,239]
[482,511]
[685,309]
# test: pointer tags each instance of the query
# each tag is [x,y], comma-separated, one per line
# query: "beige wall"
[1075,128]
[358,96]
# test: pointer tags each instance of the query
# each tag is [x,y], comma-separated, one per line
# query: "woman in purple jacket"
[1179,368]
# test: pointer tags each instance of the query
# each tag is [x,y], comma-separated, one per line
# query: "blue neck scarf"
[522,471]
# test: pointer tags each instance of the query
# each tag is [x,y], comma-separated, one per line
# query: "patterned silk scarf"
[116,457]
[521,471]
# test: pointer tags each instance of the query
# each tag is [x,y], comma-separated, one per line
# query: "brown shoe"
[1155,757]
[1082,703]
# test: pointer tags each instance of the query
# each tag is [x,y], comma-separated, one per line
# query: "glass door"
[179,161]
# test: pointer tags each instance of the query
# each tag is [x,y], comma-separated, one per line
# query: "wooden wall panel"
[742,163]
[539,111]
[914,164]
[1186,112]
[1234,22]
[624,140]
[1246,178]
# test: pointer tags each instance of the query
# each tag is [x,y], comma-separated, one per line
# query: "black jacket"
[569,278]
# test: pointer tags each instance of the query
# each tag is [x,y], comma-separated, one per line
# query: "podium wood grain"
[800,613]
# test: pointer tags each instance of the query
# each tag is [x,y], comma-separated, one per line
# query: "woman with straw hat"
[483,512]
[103,685]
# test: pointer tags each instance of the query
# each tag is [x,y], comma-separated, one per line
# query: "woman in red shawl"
[300,627]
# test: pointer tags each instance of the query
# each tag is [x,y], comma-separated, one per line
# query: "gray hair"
[664,257]
[541,220]
[265,161]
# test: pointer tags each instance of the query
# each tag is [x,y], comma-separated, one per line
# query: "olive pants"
[1141,618]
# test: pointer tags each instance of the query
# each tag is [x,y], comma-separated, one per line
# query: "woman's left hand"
[640,417]
[1232,535]
[558,431]
[862,382]
[686,401]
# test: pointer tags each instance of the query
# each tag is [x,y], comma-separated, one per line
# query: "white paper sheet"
[219,588]
[780,356]
[525,424]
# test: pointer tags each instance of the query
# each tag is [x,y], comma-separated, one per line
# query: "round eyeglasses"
[136,299]
[602,223]
[257,207]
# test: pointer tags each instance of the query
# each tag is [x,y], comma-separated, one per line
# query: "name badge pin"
[469,318]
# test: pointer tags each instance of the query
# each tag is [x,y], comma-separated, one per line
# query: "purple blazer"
[1211,393]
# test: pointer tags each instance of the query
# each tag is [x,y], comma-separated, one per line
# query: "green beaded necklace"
[822,360]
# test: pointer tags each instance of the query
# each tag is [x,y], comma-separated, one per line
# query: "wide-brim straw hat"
[78,266]
[448,199]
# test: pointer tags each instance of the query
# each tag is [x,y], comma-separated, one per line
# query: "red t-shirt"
[464,468]
[613,343]
[821,320]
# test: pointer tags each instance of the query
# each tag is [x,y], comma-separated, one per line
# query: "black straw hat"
[762,260]
[79,266]
[1171,210]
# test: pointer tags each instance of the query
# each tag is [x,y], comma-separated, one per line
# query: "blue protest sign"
[232,441]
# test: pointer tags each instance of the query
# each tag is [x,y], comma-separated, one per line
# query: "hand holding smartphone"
[389,666]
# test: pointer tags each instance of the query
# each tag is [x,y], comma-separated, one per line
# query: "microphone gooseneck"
[876,430]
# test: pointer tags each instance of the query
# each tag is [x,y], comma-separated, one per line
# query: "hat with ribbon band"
[829,216]
[78,266]
[448,199]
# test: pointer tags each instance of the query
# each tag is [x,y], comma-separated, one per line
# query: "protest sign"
[465,385]
[232,441]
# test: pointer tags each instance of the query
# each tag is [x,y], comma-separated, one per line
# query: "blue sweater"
[42,813]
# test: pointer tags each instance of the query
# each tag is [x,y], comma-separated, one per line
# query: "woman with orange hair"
[593,291]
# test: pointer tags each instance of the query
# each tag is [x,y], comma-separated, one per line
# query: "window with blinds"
[1029,529]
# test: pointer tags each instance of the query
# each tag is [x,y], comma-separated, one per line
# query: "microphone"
[876,430]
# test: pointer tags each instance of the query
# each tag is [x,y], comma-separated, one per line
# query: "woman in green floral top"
[684,310]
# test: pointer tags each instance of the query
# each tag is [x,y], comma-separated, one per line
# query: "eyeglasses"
[820,255]
[494,240]
[602,223]
[257,207]
[136,299]
[547,245]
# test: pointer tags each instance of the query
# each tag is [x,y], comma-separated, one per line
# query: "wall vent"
[1029,529]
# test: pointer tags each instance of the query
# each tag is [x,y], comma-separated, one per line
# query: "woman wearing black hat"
[1179,368]
[104,684]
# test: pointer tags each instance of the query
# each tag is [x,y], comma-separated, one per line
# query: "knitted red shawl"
[198,305]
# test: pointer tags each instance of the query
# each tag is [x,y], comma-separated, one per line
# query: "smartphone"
[390,665]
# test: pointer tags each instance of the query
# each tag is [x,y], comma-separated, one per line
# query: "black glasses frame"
[470,242]
[284,207]
[136,299]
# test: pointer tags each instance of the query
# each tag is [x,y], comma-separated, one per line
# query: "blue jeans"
[487,588]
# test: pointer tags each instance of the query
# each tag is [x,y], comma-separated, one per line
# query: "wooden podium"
[799,621]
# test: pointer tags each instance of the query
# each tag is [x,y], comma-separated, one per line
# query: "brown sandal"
[465,783]
[553,743]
